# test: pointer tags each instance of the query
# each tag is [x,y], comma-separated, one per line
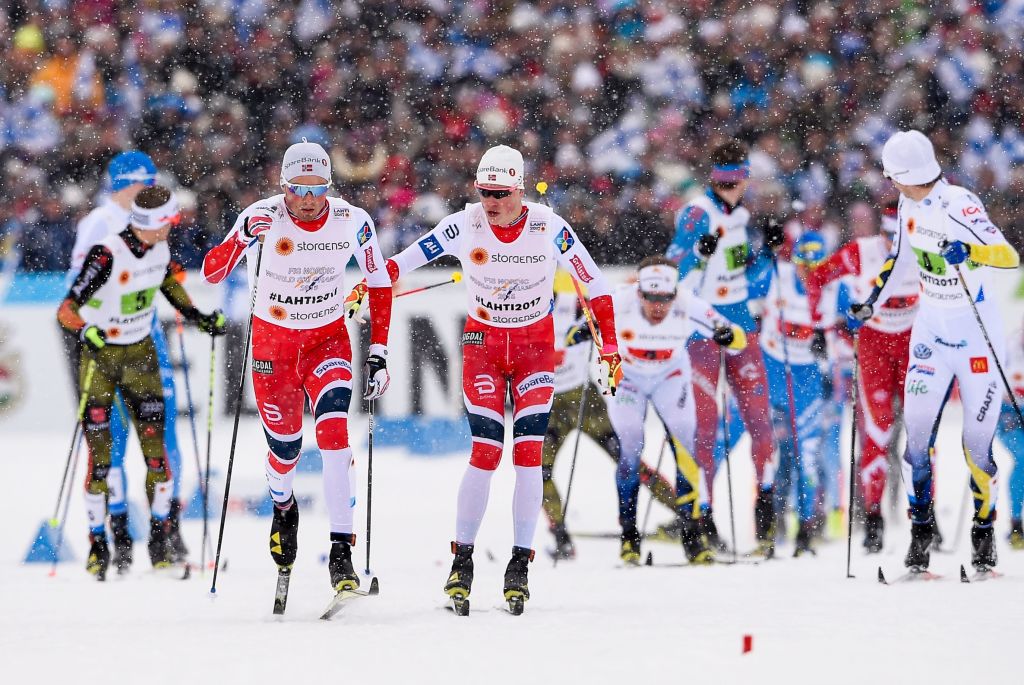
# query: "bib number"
[736,257]
[137,301]
[931,262]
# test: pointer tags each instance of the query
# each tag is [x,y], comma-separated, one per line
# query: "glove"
[956,252]
[774,235]
[94,337]
[375,371]
[354,301]
[214,323]
[707,244]
[819,345]
[576,334]
[862,312]
[730,337]
[252,232]
[611,370]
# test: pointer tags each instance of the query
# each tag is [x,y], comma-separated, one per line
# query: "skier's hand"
[577,334]
[730,337]
[956,252]
[611,370]
[707,244]
[354,301]
[252,230]
[862,312]
[376,372]
[774,234]
[214,323]
[94,337]
[819,345]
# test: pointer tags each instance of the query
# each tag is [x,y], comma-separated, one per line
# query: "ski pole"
[209,441]
[579,432]
[369,486]
[238,413]
[728,460]
[853,459]
[657,470]
[67,505]
[180,326]
[455,278]
[90,369]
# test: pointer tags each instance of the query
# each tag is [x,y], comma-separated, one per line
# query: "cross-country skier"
[127,174]
[509,249]
[300,346]
[711,241]
[655,318]
[883,353]
[792,347]
[111,306]
[1011,434]
[944,229]
[571,373]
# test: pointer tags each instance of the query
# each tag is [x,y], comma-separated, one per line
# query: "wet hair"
[732,152]
[655,260]
[152,197]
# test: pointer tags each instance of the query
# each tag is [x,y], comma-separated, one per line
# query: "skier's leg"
[705,362]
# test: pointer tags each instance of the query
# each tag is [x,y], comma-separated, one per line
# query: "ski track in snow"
[588,620]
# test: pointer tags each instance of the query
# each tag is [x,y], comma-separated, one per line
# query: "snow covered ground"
[589,620]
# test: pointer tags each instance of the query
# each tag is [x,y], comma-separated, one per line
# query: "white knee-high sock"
[338,493]
[280,483]
[96,511]
[526,501]
[473,494]
[161,505]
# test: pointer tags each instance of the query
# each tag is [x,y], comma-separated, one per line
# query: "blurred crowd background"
[614,103]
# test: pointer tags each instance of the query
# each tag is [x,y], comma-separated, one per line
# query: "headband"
[152,219]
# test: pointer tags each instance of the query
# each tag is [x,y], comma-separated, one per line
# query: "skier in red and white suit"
[509,249]
[883,352]
[300,346]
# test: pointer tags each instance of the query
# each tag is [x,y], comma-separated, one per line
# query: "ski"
[910,576]
[284,578]
[739,561]
[458,604]
[979,576]
[170,571]
[344,596]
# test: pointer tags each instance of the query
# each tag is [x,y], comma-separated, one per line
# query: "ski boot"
[694,546]
[710,532]
[629,549]
[937,538]
[983,546]
[122,542]
[179,552]
[922,535]
[1016,534]
[805,534]
[516,589]
[284,534]
[159,545]
[564,549]
[668,532]
[764,523]
[874,529]
[339,564]
[99,555]
[460,580]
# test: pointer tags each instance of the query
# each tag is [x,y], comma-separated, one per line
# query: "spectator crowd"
[614,103]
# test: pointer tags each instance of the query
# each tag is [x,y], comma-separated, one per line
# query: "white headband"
[152,219]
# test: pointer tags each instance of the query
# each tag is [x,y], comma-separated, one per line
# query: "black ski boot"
[694,546]
[159,546]
[284,533]
[804,536]
[936,536]
[122,542]
[764,523]
[179,552]
[983,546]
[99,555]
[629,547]
[460,580]
[874,530]
[710,532]
[1016,534]
[922,535]
[516,589]
[339,565]
[564,549]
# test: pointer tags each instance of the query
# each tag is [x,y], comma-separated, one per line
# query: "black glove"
[377,378]
[774,235]
[723,335]
[577,333]
[862,312]
[819,345]
[707,244]
[94,337]
[214,323]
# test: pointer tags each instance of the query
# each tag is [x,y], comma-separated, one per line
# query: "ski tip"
[649,561]
[881,577]
[963,575]
[374,586]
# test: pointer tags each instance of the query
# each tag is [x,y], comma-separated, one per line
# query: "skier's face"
[656,307]
[306,207]
[731,192]
[501,205]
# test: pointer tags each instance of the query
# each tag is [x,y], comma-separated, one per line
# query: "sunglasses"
[726,185]
[658,297]
[301,189]
[496,194]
